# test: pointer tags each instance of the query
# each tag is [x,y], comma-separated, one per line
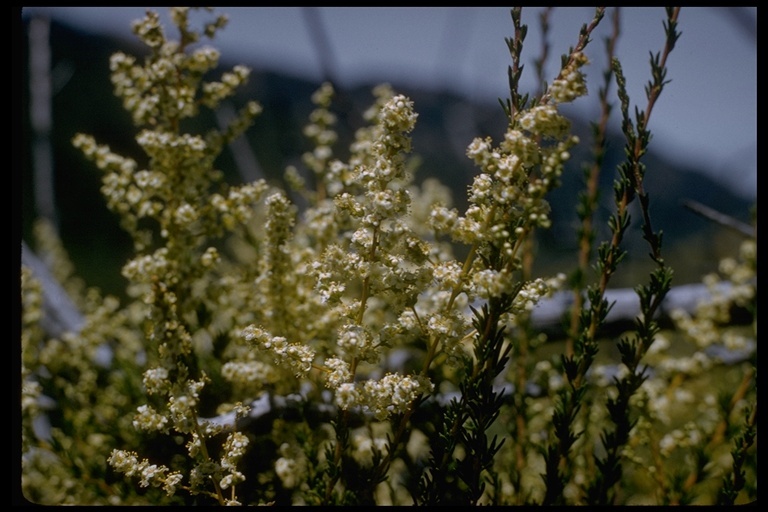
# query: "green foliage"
[322,345]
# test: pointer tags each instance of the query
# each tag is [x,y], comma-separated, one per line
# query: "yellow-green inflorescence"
[240,294]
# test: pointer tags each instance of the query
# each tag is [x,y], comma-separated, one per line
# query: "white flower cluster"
[571,83]
[203,59]
[357,342]
[157,476]
[210,257]
[169,149]
[280,220]
[143,268]
[339,372]
[139,86]
[320,132]
[149,419]
[214,92]
[291,466]
[319,227]
[181,273]
[104,158]
[544,120]
[533,291]
[185,215]
[234,449]
[248,373]
[180,18]
[130,193]
[392,394]
[690,435]
[238,205]
[364,444]
[492,283]
[133,88]
[704,327]
[294,355]
[507,196]
[182,407]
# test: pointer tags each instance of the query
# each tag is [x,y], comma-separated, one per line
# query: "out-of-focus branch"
[245,160]
[720,218]
[60,313]
[40,117]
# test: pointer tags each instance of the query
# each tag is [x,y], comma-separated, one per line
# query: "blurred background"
[453,63]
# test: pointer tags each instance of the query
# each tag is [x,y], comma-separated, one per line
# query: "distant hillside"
[84,102]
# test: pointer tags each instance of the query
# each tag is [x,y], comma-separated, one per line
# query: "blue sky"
[706,118]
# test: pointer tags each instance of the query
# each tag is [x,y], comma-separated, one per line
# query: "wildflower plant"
[323,345]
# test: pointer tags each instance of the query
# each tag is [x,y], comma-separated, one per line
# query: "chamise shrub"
[322,344]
